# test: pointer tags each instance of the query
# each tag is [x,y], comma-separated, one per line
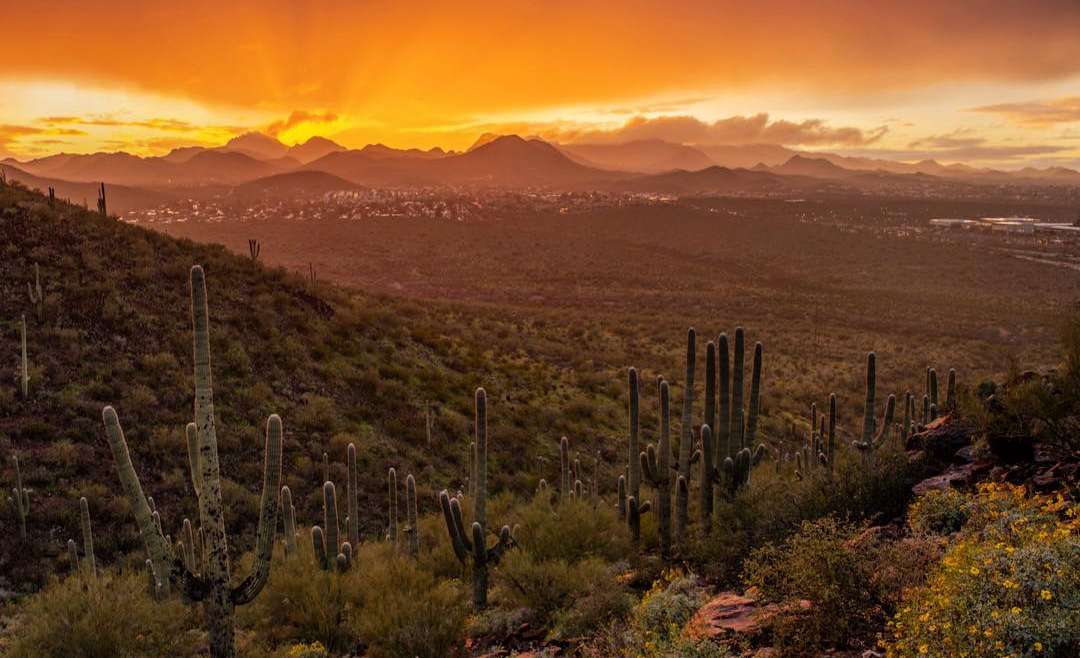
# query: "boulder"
[729,614]
[941,439]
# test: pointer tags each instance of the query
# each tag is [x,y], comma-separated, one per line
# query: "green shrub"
[938,512]
[1008,585]
[406,611]
[822,564]
[655,626]
[112,618]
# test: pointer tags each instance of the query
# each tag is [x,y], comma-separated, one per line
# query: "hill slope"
[339,368]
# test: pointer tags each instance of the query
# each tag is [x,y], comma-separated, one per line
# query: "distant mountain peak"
[257,145]
[313,149]
[487,138]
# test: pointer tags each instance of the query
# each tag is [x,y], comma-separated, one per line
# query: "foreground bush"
[1009,584]
[939,512]
[386,602]
[112,618]
[822,564]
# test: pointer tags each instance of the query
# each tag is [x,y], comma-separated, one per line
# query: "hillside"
[120,198]
[337,367]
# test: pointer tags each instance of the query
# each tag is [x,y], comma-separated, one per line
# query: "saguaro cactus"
[24,370]
[20,499]
[101,206]
[289,520]
[686,439]
[413,530]
[88,539]
[565,481]
[723,436]
[950,391]
[710,476]
[213,589]
[656,469]
[34,292]
[73,556]
[633,462]
[253,249]
[872,437]
[392,495]
[352,496]
[476,546]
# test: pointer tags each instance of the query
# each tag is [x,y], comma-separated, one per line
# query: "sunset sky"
[992,83]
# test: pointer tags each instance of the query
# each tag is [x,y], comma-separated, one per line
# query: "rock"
[725,614]
[964,455]
[940,439]
[956,477]
[1011,448]
[728,614]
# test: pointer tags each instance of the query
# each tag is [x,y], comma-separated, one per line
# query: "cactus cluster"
[167,569]
[475,545]
[737,452]
[254,248]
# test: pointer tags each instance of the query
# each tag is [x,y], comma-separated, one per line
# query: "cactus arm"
[453,525]
[622,498]
[159,551]
[264,551]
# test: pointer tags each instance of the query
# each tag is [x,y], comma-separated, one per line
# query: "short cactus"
[566,482]
[73,557]
[20,499]
[89,563]
[103,209]
[33,291]
[213,588]
[392,497]
[475,545]
[411,517]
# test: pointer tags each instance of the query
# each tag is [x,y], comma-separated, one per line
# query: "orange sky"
[990,81]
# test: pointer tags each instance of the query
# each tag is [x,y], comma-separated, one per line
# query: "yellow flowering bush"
[1008,584]
[938,512]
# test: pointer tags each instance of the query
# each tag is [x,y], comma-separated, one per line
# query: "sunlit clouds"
[891,78]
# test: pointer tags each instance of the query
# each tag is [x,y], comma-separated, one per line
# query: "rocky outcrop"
[729,615]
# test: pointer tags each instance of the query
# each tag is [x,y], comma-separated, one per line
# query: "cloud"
[960,138]
[112,122]
[748,129]
[976,153]
[299,117]
[1038,113]
[11,135]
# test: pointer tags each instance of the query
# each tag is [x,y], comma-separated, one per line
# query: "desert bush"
[1009,583]
[939,512]
[405,611]
[655,625]
[112,617]
[822,564]
[302,603]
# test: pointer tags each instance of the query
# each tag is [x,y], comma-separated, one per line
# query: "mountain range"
[254,163]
